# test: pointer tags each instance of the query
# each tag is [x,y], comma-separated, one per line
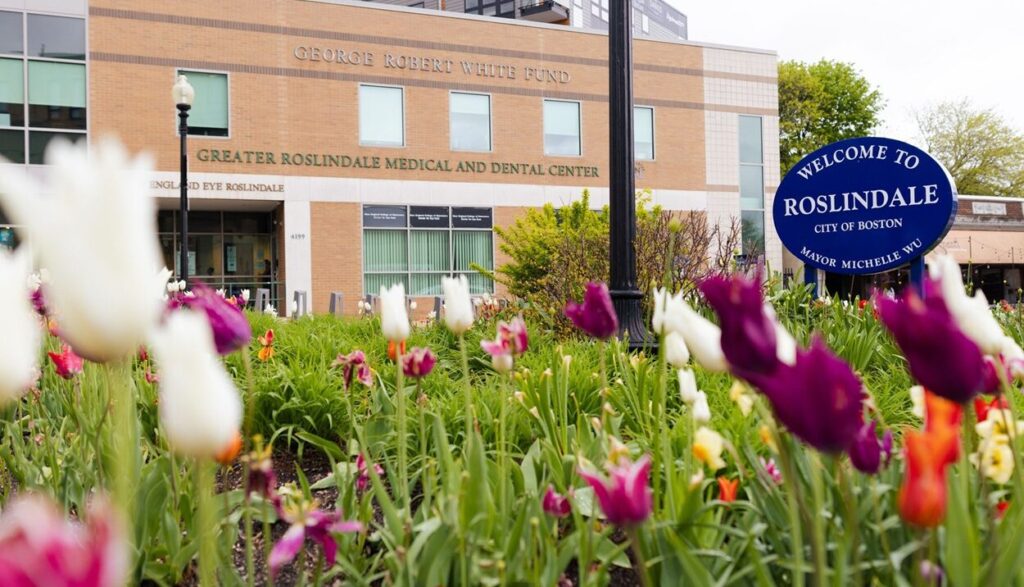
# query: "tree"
[982,152]
[820,103]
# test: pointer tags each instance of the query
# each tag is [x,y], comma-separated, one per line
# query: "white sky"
[916,52]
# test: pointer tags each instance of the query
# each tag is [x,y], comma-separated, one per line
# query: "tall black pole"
[183,216]
[626,297]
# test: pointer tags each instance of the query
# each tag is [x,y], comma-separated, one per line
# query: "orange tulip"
[394,350]
[922,498]
[267,349]
[230,451]
[727,489]
[942,421]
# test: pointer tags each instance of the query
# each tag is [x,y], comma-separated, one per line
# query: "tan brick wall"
[275,109]
[336,242]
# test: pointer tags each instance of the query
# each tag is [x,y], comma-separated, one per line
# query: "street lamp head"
[183,92]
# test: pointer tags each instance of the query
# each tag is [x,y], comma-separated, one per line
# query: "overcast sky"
[916,52]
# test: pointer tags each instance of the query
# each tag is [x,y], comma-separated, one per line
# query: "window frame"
[227,78]
[359,117]
[27,129]
[579,136]
[408,229]
[654,133]
[490,122]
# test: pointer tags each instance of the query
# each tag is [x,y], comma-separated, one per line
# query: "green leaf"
[961,548]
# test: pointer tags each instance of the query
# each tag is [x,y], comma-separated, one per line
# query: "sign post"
[863,206]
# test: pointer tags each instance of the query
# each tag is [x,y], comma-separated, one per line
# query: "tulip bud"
[394,320]
[687,386]
[20,356]
[200,409]
[701,410]
[676,353]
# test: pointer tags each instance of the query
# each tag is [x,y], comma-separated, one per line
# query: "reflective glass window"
[11,41]
[56,37]
[561,128]
[470,116]
[56,95]
[643,131]
[210,110]
[381,116]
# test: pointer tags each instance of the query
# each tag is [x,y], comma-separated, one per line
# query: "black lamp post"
[626,296]
[183,95]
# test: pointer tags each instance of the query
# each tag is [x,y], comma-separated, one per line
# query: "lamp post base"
[632,326]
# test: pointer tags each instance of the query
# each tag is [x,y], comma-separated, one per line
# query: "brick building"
[340,145]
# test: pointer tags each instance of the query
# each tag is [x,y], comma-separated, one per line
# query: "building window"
[229,250]
[42,83]
[502,8]
[381,116]
[643,132]
[418,245]
[561,128]
[470,121]
[751,184]
[211,109]
[645,24]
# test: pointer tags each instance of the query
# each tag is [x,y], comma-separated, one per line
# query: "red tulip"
[727,489]
[981,407]
[67,363]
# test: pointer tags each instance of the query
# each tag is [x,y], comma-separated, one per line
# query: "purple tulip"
[39,302]
[596,315]
[818,398]
[748,333]
[625,498]
[555,504]
[867,453]
[231,330]
[418,362]
[354,367]
[940,356]
[363,480]
[308,522]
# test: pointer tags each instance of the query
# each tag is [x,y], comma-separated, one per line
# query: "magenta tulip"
[418,362]
[555,504]
[308,522]
[819,398]
[596,315]
[868,453]
[354,368]
[939,355]
[748,333]
[363,480]
[231,329]
[625,497]
[66,363]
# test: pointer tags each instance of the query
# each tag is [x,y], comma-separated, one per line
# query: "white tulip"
[971,314]
[200,409]
[502,363]
[245,296]
[458,308]
[687,386]
[295,308]
[394,320]
[94,229]
[221,292]
[18,322]
[701,410]
[676,353]
[668,312]
[704,340]
[413,305]
[270,310]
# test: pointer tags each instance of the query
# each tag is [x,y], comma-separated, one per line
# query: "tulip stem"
[250,399]
[124,436]
[268,540]
[817,491]
[638,554]
[403,472]
[792,500]
[205,528]
[502,455]
[250,555]
[469,415]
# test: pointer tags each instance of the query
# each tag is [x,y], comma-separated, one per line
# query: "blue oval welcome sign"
[864,205]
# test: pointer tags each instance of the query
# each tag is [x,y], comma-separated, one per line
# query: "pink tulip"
[39,547]
[511,342]
[308,521]
[625,498]
[354,367]
[66,363]
[555,504]
[363,481]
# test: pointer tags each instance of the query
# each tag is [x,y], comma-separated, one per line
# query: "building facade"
[338,146]
[655,19]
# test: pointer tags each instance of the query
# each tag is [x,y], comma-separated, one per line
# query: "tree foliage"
[983,153]
[820,103]
[554,252]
